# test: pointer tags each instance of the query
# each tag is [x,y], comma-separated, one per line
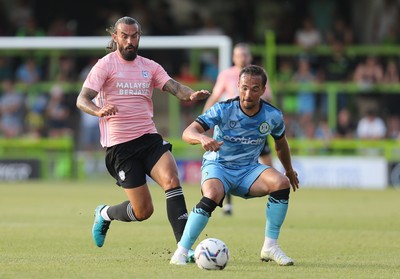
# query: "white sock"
[269,243]
[104,214]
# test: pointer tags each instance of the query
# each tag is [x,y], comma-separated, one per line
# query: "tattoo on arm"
[182,92]
[84,101]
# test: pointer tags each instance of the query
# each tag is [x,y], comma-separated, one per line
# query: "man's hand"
[199,95]
[294,180]
[107,110]
[210,144]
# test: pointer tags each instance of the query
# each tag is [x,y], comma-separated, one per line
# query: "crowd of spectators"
[52,112]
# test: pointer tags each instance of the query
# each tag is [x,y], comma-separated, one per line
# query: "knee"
[170,182]
[282,183]
[142,214]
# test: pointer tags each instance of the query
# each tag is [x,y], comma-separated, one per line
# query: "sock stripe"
[174,192]
[129,211]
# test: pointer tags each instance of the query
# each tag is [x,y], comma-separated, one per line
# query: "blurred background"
[333,67]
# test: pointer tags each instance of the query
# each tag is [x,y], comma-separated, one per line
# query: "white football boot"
[276,254]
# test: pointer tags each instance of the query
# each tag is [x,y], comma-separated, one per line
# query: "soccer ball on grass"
[211,254]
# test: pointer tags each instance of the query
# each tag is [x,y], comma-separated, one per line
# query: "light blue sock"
[196,222]
[276,213]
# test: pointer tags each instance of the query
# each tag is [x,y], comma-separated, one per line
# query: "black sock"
[122,212]
[176,210]
[208,205]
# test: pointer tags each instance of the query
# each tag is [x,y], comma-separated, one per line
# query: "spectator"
[391,74]
[337,67]
[345,125]
[368,72]
[306,98]
[371,126]
[393,126]
[308,36]
[36,106]
[28,72]
[57,114]
[11,110]
[322,130]
[340,33]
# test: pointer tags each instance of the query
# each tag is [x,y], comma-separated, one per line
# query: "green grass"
[45,232]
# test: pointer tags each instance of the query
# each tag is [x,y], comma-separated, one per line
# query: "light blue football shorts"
[236,181]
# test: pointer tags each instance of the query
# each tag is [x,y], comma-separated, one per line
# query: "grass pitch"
[45,232]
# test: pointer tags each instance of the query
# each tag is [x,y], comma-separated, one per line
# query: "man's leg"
[197,221]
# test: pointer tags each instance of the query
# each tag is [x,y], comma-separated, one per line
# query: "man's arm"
[183,92]
[283,152]
[194,134]
[85,103]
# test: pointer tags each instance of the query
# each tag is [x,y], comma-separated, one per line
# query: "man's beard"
[129,54]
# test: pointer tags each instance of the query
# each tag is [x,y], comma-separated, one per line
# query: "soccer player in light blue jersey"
[230,163]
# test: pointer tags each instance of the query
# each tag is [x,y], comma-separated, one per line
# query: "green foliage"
[45,230]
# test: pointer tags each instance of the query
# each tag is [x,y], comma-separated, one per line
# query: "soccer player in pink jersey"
[121,84]
[226,87]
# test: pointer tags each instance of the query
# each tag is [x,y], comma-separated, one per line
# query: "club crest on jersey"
[121,175]
[145,74]
[264,128]
[232,124]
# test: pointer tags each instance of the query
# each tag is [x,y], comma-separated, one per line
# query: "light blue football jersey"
[243,135]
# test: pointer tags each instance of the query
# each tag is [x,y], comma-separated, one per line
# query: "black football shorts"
[131,161]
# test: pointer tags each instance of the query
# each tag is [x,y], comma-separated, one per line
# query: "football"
[211,254]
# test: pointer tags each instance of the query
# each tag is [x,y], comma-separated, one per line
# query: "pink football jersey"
[129,86]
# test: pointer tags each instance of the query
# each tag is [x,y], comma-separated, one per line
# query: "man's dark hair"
[254,70]
[112,46]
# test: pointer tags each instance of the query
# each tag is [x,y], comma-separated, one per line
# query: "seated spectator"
[340,33]
[57,114]
[306,99]
[12,110]
[391,74]
[345,127]
[368,72]
[323,131]
[308,36]
[393,126]
[337,67]
[28,72]
[371,126]
[36,106]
